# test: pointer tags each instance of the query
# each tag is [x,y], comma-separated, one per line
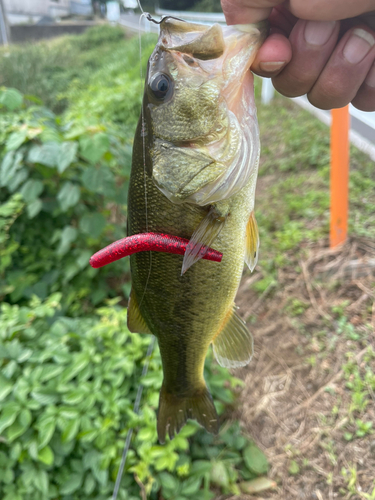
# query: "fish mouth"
[216,152]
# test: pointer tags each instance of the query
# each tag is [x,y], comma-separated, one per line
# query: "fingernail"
[370,78]
[271,67]
[358,46]
[318,32]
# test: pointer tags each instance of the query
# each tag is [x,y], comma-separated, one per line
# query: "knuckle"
[293,84]
[365,100]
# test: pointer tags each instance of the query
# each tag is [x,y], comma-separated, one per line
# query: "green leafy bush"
[45,69]
[67,389]
[73,180]
[101,57]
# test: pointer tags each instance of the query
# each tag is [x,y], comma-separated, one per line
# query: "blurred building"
[21,11]
[31,8]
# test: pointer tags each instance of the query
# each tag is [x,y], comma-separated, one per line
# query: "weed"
[350,476]
[296,307]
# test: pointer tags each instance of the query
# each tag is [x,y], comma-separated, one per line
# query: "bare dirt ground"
[309,399]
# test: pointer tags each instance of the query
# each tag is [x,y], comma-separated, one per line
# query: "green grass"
[293,206]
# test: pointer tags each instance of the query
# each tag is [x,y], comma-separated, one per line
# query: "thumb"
[247,11]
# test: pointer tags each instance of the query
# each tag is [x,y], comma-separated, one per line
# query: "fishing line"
[143,135]
[152,343]
[150,349]
[130,431]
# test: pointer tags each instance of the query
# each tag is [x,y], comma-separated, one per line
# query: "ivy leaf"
[168,481]
[255,459]
[46,154]
[31,190]
[11,99]
[66,155]
[219,474]
[68,195]
[44,396]
[46,430]
[41,481]
[34,208]
[15,140]
[16,430]
[8,415]
[191,486]
[73,397]
[200,467]
[74,483]
[89,485]
[68,235]
[46,456]
[92,148]
[17,179]
[70,430]
[92,224]
[100,181]
[10,167]
[5,387]
[25,417]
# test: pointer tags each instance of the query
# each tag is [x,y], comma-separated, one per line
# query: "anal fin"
[202,238]
[252,242]
[233,346]
[136,323]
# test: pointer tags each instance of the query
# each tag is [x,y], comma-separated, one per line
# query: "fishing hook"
[163,18]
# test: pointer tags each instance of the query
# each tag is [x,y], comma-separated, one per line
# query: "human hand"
[325,49]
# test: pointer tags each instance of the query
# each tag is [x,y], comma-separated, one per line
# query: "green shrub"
[97,36]
[48,69]
[113,92]
[73,180]
[67,390]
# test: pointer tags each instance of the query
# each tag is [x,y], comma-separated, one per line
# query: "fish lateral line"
[144,242]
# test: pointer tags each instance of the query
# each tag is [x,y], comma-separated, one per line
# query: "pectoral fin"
[136,323]
[252,242]
[202,238]
[233,346]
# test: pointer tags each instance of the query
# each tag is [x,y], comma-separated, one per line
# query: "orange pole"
[339,175]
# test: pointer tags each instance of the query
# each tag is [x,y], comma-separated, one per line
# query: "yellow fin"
[252,242]
[201,239]
[174,410]
[136,323]
[233,346]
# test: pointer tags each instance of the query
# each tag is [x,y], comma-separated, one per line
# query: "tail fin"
[175,410]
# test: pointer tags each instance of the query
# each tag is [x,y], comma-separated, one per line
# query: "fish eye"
[160,86]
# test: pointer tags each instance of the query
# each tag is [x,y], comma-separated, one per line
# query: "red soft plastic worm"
[157,242]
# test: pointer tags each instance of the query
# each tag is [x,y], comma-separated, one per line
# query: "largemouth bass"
[194,170]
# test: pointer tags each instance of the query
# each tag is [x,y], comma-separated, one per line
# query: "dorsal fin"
[233,345]
[252,242]
[136,323]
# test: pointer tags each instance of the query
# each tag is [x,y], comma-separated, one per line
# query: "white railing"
[201,17]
